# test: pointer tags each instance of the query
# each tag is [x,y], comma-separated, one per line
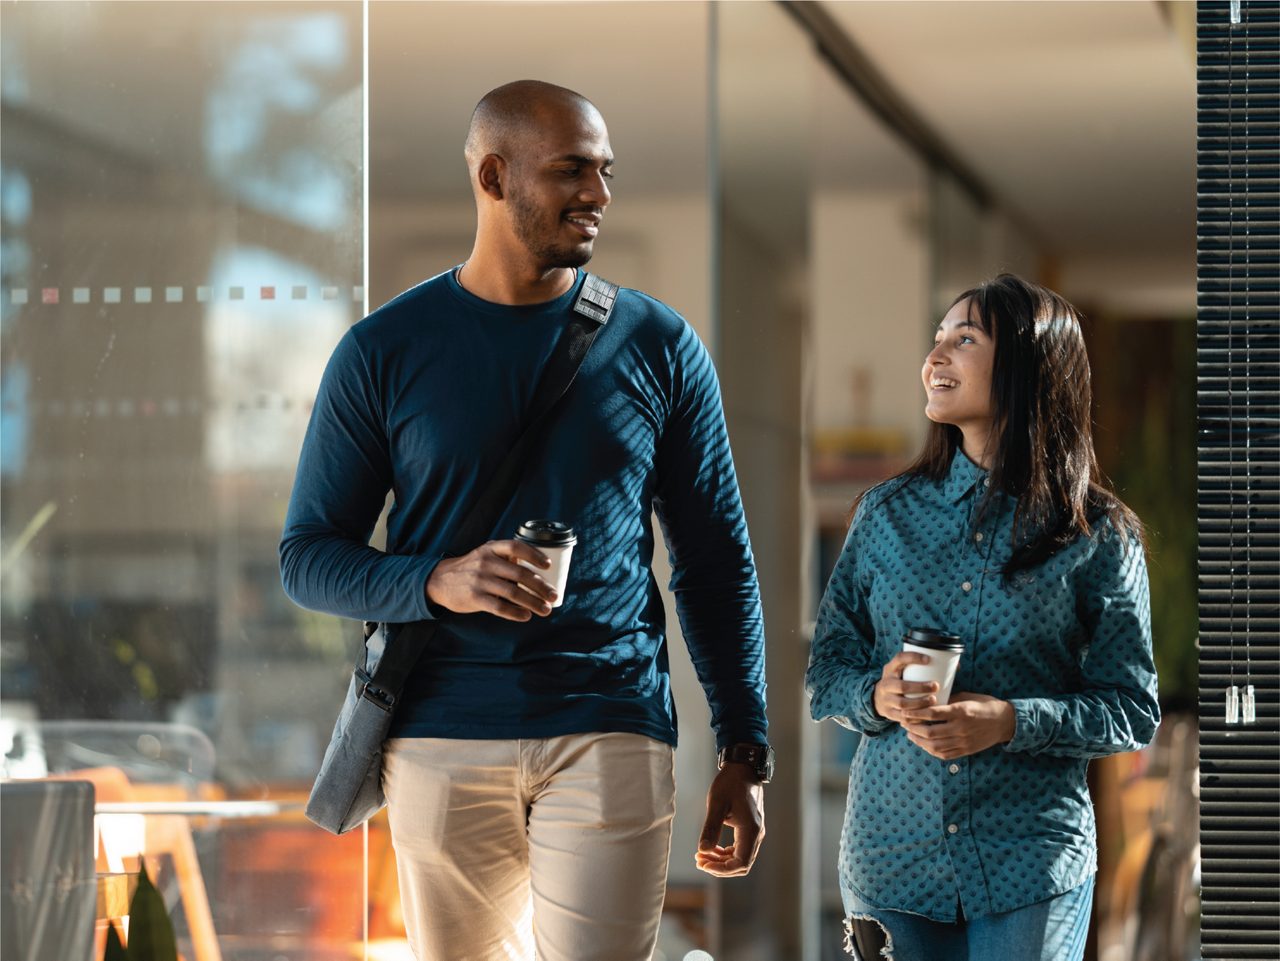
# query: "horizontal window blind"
[1238,359]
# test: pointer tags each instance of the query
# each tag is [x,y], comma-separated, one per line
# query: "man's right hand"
[890,691]
[491,579]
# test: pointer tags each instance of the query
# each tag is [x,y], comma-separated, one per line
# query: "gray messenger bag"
[348,789]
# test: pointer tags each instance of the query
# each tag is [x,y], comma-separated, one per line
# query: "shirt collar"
[963,477]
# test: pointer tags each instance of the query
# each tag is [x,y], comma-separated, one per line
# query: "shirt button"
[978,536]
[954,769]
[966,587]
[952,829]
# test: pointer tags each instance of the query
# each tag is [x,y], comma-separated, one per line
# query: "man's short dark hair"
[505,115]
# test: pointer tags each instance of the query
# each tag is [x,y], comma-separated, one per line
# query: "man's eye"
[607,174]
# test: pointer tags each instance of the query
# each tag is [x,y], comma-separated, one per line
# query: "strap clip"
[375,695]
[596,299]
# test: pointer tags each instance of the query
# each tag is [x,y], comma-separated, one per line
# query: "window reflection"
[180,188]
[272,119]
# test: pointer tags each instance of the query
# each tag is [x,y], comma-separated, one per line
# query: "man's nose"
[596,190]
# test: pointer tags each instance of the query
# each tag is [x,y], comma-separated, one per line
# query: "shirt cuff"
[752,732]
[1035,722]
[863,710]
[430,611]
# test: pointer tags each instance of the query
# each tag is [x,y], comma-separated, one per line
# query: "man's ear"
[490,174]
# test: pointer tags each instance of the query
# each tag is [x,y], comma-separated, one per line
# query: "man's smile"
[584,222]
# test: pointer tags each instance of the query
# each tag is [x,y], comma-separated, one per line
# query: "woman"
[968,831]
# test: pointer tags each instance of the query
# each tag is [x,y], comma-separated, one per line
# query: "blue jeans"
[1052,930]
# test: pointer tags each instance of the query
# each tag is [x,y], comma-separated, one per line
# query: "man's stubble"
[538,235]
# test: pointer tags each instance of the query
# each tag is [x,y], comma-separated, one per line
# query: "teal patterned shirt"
[1068,643]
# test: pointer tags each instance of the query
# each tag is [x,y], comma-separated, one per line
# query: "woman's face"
[957,378]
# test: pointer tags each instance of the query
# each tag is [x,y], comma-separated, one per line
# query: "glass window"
[182,213]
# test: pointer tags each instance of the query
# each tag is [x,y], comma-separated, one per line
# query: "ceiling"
[643,64]
[1080,116]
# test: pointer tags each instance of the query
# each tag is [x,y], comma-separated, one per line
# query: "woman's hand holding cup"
[893,695]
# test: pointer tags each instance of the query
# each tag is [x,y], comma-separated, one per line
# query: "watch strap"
[758,756]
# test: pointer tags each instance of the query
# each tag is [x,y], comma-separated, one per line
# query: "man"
[529,770]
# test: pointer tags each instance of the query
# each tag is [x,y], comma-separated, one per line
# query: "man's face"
[558,189]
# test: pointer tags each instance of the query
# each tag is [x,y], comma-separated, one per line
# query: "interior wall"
[658,243]
[870,310]
[1137,285]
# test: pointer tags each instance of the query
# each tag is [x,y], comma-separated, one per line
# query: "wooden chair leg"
[171,834]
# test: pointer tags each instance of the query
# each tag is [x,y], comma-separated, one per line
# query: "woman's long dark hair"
[1041,395]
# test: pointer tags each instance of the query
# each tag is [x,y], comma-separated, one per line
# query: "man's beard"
[527,220]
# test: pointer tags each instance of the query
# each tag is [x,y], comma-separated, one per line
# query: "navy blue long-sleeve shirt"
[423,398]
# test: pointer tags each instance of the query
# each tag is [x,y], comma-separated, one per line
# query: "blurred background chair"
[142,773]
[46,861]
[1161,871]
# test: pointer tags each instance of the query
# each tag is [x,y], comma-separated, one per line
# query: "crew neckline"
[553,306]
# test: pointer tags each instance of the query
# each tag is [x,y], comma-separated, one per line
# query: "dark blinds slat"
[1238,384]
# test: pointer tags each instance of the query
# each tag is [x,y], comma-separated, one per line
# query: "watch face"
[765,768]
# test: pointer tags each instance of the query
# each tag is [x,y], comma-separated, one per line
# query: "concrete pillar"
[761,198]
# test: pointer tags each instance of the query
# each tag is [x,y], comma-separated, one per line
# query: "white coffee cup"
[556,541]
[943,651]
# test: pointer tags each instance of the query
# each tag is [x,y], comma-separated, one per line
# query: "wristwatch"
[758,756]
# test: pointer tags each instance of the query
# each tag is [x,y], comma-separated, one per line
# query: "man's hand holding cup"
[499,578]
[513,579]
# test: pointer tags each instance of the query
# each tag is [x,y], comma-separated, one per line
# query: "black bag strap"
[591,311]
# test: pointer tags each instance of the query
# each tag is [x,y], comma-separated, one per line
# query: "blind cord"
[1232,704]
[1248,709]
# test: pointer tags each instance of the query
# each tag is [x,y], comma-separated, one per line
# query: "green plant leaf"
[150,930]
[115,949]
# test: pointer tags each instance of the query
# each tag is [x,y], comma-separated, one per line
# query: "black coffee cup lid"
[551,533]
[934,639]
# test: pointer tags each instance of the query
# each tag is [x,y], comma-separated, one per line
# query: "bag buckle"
[596,299]
[375,695]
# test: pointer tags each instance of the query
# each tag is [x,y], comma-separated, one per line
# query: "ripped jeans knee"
[867,939]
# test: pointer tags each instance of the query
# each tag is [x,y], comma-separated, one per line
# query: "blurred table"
[222,809]
[168,832]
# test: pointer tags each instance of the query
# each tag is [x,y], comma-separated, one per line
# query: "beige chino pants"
[549,847]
